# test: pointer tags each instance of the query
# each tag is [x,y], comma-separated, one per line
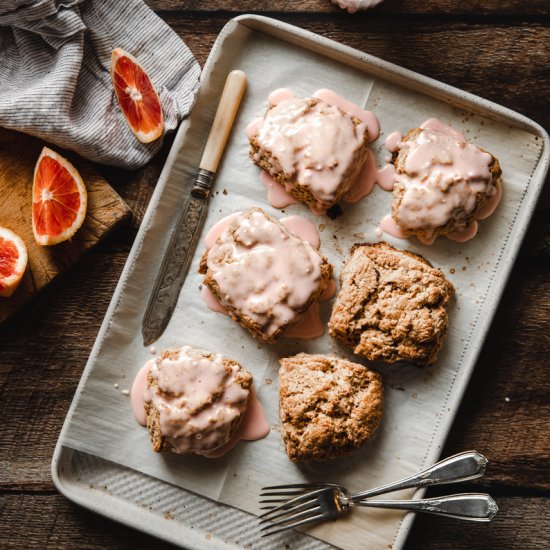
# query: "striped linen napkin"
[54,73]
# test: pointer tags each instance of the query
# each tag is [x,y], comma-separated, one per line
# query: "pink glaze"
[309,326]
[393,141]
[329,291]
[491,205]
[441,128]
[378,232]
[211,301]
[368,117]
[388,225]
[253,127]
[218,228]
[278,95]
[138,391]
[277,195]
[464,234]
[369,176]
[303,228]
[253,426]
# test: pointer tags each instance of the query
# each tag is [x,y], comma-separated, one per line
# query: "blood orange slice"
[136,96]
[59,199]
[13,261]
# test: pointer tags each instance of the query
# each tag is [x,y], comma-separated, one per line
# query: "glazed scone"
[391,305]
[263,275]
[315,150]
[327,406]
[195,400]
[442,182]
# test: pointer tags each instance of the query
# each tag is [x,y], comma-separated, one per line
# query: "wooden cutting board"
[18,156]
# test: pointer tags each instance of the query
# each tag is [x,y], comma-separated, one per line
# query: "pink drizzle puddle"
[254,425]
[310,324]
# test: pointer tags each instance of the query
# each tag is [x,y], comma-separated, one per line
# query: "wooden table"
[499,49]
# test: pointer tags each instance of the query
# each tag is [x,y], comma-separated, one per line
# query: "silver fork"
[311,503]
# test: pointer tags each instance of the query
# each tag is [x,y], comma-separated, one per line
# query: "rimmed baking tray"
[273,53]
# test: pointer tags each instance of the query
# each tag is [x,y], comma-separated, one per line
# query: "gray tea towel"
[54,73]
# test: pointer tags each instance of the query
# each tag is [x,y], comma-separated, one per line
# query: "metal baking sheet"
[108,467]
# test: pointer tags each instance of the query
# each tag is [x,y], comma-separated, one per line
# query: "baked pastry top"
[264,275]
[327,406]
[442,182]
[195,400]
[391,305]
[315,150]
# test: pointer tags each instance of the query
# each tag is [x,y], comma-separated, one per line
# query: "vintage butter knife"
[179,253]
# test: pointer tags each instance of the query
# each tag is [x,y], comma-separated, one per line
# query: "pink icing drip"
[253,426]
[441,128]
[368,117]
[277,195]
[278,95]
[211,301]
[491,205]
[392,141]
[464,234]
[218,228]
[309,326]
[329,292]
[253,127]
[303,228]
[138,390]
[388,225]
[369,176]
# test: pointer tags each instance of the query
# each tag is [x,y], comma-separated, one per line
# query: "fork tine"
[291,502]
[285,493]
[280,513]
[293,518]
[308,521]
[294,486]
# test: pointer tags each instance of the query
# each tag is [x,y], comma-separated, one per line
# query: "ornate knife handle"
[178,256]
[460,467]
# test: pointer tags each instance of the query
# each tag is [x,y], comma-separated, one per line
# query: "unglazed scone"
[391,305]
[263,275]
[327,406]
[442,182]
[195,400]
[315,150]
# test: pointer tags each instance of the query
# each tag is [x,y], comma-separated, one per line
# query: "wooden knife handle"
[225,115]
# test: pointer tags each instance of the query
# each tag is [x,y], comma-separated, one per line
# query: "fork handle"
[460,467]
[467,506]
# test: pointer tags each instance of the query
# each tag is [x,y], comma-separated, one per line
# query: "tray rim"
[332,49]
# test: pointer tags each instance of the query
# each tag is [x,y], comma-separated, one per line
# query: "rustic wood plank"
[389,7]
[52,522]
[18,156]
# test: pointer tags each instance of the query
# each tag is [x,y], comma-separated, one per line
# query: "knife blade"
[177,258]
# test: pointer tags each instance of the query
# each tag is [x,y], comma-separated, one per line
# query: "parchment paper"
[417,400]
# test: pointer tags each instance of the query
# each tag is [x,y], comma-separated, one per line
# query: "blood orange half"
[136,96]
[59,199]
[13,261]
